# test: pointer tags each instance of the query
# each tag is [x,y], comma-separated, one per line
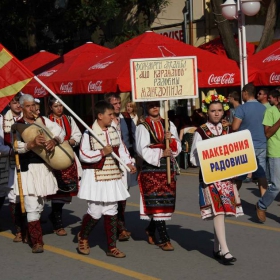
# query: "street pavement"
[256,246]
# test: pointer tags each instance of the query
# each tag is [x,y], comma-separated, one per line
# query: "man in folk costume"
[101,183]
[37,179]
[68,179]
[5,151]
[128,137]
[157,201]
[11,116]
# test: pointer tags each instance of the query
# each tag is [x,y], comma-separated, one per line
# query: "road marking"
[104,265]
[259,226]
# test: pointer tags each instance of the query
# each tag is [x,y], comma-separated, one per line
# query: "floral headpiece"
[214,98]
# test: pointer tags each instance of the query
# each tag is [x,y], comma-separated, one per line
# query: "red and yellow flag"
[13,76]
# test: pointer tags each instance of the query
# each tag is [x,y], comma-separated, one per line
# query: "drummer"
[37,179]
[67,179]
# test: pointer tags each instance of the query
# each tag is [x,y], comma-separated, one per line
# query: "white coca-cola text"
[272,57]
[274,78]
[39,91]
[226,79]
[47,73]
[95,86]
[66,87]
[100,65]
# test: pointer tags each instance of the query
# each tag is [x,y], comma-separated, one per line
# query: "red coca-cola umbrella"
[267,61]
[216,46]
[39,59]
[66,66]
[110,72]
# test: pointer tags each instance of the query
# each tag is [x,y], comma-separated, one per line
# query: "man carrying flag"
[4,172]
[14,76]
[10,118]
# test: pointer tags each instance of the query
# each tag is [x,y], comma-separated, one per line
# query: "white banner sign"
[163,78]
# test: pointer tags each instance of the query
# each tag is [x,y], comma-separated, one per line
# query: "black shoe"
[217,255]
[228,260]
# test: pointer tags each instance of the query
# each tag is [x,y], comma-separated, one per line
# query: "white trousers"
[5,191]
[34,206]
[96,209]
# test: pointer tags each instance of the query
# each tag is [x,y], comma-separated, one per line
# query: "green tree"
[27,26]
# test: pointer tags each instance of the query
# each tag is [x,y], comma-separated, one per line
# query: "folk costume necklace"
[210,134]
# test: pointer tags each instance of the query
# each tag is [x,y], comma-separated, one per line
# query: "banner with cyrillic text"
[226,156]
[163,78]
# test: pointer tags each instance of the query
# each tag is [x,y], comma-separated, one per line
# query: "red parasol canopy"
[267,61]
[110,72]
[216,46]
[65,66]
[39,59]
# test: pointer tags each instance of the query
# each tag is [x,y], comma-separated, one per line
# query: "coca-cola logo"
[272,57]
[67,88]
[47,73]
[274,78]
[226,79]
[39,91]
[95,86]
[100,65]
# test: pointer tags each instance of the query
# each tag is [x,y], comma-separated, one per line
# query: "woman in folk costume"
[221,198]
[101,183]
[68,179]
[157,201]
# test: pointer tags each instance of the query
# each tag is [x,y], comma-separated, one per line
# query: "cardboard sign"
[226,156]
[163,78]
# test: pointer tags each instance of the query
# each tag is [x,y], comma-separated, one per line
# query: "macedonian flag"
[13,77]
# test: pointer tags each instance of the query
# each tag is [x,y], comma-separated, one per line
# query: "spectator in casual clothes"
[262,97]
[234,100]
[271,124]
[250,116]
[273,97]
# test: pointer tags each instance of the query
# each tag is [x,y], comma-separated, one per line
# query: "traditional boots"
[20,223]
[124,235]
[150,231]
[165,244]
[56,219]
[110,224]
[36,236]
[87,226]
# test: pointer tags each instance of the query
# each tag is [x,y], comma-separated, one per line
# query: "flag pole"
[167,141]
[80,120]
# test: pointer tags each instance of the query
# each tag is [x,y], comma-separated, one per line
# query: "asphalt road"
[256,246]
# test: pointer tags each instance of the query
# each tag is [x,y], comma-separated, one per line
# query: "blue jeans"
[274,188]
[261,163]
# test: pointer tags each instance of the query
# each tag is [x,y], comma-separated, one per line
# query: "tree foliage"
[270,25]
[27,26]
[270,9]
